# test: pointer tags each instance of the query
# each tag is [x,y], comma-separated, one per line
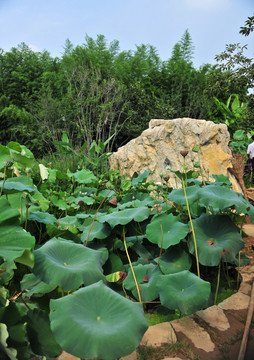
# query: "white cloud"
[208,5]
[34,48]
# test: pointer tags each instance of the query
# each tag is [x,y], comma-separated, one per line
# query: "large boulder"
[158,149]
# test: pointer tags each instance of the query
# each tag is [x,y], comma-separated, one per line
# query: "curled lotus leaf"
[67,264]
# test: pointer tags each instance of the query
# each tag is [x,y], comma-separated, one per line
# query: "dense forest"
[95,90]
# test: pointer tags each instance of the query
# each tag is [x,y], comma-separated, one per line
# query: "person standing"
[250,154]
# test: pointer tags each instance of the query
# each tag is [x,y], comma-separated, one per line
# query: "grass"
[180,348]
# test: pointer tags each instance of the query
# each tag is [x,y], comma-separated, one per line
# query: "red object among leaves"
[113,201]
[146,278]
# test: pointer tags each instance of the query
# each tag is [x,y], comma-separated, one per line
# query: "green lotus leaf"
[67,264]
[177,196]
[217,238]
[184,291]
[220,198]
[88,200]
[38,198]
[18,184]
[6,271]
[173,230]
[146,276]
[125,216]
[31,285]
[174,260]
[4,156]
[137,179]
[111,325]
[83,176]
[22,155]
[113,264]
[69,223]
[15,243]
[98,230]
[40,336]
[42,217]
[4,296]
[4,349]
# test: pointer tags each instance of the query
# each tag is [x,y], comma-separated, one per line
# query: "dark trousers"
[252,164]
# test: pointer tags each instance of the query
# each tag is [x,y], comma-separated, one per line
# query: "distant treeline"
[94,91]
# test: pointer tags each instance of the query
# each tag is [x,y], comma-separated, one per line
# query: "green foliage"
[233,112]
[88,245]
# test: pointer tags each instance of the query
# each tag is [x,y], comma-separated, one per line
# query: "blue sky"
[46,24]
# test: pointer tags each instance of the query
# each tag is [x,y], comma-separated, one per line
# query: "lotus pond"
[83,255]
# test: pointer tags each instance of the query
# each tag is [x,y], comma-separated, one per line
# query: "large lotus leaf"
[8,215]
[4,156]
[173,230]
[42,217]
[125,216]
[40,336]
[4,349]
[220,198]
[217,238]
[98,230]
[177,195]
[15,243]
[110,325]
[83,176]
[67,264]
[146,276]
[31,285]
[21,154]
[18,184]
[184,291]
[174,260]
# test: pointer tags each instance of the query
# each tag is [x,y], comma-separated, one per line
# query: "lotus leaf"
[20,183]
[4,335]
[97,231]
[146,276]
[184,291]
[174,260]
[217,238]
[173,230]
[111,325]
[42,217]
[67,264]
[40,335]
[125,216]
[220,198]
[15,243]
[21,154]
[177,195]
[137,179]
[31,285]
[83,176]
[4,156]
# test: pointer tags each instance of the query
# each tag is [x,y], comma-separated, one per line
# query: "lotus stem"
[192,228]
[95,217]
[132,270]
[3,181]
[161,243]
[217,286]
